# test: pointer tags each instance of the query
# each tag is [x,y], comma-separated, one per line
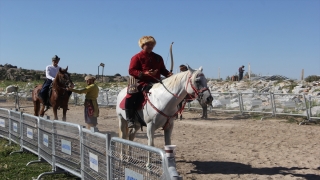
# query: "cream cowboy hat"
[145,39]
[89,77]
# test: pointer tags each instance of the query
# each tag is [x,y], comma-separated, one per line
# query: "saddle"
[49,94]
[139,106]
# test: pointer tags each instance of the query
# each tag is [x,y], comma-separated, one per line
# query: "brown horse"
[59,95]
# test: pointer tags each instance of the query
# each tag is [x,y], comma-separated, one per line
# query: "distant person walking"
[91,108]
[241,70]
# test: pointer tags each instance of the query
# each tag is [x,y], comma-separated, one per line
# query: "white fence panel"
[67,147]
[4,123]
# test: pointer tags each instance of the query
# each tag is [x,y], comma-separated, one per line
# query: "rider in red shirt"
[146,67]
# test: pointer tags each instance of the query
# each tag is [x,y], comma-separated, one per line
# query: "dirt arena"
[224,147]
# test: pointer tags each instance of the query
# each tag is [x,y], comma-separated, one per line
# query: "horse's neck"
[56,83]
[161,93]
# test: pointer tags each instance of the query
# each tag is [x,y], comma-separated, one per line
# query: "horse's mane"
[175,79]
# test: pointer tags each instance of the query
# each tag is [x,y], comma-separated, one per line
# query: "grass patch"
[14,166]
[256,116]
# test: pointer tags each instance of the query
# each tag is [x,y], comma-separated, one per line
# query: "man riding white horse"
[146,67]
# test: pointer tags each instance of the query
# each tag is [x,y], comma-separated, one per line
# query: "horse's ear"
[200,68]
[60,70]
[190,69]
[67,68]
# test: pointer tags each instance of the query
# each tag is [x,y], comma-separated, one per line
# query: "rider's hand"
[151,72]
[170,74]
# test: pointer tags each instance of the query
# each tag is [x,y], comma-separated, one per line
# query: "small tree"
[312,78]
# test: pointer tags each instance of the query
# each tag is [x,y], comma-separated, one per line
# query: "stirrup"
[46,108]
[130,124]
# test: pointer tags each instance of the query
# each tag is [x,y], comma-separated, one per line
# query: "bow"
[171,55]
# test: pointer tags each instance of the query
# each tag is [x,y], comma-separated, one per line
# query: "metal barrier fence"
[314,107]
[257,102]
[266,103]
[15,127]
[29,133]
[133,160]
[87,154]
[21,99]
[291,104]
[226,102]
[4,123]
[95,160]
[67,147]
[45,141]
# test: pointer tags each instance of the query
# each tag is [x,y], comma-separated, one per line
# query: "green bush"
[312,78]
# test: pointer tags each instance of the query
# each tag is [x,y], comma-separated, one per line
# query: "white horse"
[161,107]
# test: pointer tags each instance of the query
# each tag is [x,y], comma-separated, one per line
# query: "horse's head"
[63,78]
[198,86]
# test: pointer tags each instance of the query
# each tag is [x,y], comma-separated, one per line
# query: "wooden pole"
[102,72]
[98,72]
[249,71]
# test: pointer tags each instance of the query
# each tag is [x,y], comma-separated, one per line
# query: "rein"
[57,86]
[160,81]
[196,91]
[162,113]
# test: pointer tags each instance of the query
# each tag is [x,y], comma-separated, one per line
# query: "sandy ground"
[224,147]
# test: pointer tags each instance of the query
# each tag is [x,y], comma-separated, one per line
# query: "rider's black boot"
[130,117]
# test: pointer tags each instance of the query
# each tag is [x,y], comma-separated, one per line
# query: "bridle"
[196,91]
[64,81]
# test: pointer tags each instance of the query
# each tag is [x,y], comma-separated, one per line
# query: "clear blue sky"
[274,36]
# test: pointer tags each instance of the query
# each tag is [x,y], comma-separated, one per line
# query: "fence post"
[273,104]
[310,112]
[20,134]
[240,103]
[108,160]
[305,102]
[81,152]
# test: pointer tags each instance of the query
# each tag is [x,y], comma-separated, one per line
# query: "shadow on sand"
[218,167]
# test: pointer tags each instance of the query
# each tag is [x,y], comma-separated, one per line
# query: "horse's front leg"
[167,134]
[36,107]
[64,112]
[204,111]
[123,133]
[55,112]
[150,134]
[41,110]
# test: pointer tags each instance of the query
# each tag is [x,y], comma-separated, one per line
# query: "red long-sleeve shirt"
[144,61]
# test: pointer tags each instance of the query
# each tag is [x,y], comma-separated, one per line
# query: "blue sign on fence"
[45,140]
[93,161]
[2,123]
[15,127]
[66,146]
[29,133]
[132,175]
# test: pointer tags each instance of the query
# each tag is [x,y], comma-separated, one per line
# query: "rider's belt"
[132,85]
